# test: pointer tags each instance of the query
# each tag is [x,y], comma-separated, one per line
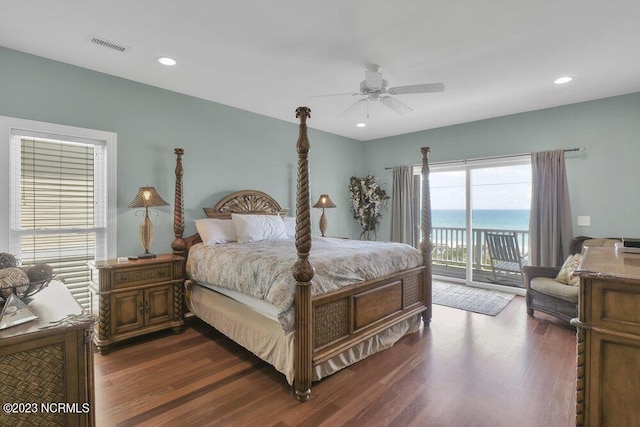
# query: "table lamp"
[147,197]
[324,202]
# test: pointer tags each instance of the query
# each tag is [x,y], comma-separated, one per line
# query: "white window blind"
[58,209]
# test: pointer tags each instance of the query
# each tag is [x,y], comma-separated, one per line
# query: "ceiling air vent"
[111,45]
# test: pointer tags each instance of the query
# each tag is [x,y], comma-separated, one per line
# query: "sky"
[504,187]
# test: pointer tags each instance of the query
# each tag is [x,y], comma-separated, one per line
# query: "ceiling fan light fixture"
[563,80]
[165,60]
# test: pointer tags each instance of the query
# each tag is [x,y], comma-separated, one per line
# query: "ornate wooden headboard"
[242,202]
[245,202]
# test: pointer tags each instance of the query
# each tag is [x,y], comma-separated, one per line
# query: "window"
[60,188]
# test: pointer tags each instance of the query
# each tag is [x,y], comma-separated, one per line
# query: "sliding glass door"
[470,201]
[501,198]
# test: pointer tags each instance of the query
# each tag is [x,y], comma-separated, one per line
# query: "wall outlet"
[584,221]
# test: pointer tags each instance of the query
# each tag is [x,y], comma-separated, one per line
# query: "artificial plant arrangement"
[367,201]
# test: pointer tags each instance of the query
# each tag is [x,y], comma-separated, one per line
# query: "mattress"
[259,305]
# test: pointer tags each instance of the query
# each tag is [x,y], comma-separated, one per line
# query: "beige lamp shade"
[147,197]
[324,202]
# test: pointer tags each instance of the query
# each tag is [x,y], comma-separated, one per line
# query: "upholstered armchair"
[546,294]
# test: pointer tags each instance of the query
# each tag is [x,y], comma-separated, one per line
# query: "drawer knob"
[578,324]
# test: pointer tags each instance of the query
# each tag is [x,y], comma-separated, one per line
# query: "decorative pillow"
[213,231]
[570,264]
[253,228]
[290,226]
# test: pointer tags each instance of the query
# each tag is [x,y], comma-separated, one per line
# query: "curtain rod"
[507,156]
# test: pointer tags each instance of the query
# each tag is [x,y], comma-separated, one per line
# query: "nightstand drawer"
[110,275]
[142,275]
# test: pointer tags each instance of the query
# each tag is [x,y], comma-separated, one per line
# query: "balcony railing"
[450,252]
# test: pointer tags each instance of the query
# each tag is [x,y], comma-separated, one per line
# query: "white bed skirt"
[265,338]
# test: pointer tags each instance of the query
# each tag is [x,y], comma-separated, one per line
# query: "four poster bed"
[357,298]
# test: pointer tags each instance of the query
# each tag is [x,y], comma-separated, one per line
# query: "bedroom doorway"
[470,199]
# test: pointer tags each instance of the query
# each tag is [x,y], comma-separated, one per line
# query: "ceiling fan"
[376,89]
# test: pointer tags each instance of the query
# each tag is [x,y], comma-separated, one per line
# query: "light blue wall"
[226,149]
[603,180]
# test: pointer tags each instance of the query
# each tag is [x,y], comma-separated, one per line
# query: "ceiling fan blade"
[373,79]
[351,108]
[424,88]
[396,105]
[337,94]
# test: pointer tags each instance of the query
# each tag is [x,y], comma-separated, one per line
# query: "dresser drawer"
[614,306]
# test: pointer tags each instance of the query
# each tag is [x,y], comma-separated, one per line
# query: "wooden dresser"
[136,297]
[608,386]
[46,375]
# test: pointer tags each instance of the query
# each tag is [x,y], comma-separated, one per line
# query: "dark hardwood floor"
[466,369]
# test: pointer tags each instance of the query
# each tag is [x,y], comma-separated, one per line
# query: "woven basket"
[34,288]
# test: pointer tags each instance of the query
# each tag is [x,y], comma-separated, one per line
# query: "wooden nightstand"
[136,297]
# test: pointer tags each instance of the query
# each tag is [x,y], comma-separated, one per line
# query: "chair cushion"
[552,288]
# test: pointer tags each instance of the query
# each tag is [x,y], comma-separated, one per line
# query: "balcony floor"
[482,276]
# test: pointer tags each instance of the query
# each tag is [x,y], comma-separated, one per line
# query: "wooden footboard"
[345,318]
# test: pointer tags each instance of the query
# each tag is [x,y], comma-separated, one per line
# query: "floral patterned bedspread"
[264,269]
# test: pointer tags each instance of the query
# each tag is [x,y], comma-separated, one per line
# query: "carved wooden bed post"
[178,210]
[426,246]
[302,270]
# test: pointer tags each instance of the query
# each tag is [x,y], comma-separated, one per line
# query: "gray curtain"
[550,228]
[404,215]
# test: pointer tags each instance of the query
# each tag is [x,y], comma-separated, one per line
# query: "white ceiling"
[496,57]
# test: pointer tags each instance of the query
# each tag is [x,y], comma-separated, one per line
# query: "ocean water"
[501,219]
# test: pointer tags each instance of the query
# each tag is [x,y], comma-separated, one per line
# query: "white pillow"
[290,226]
[253,228]
[213,231]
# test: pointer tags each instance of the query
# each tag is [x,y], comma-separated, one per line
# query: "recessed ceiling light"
[361,125]
[562,80]
[164,60]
